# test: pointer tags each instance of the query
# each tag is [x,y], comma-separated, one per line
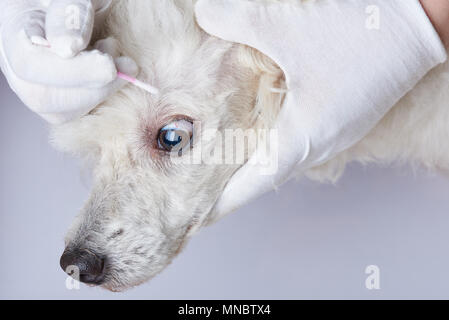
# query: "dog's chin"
[118,285]
[115,288]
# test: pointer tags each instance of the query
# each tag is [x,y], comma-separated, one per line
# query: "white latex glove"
[60,82]
[343,73]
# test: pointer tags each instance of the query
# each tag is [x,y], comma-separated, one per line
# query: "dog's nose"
[83,264]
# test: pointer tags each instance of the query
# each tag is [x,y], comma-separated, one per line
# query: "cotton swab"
[140,84]
[39,41]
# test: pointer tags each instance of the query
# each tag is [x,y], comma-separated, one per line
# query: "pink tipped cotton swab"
[145,86]
[138,83]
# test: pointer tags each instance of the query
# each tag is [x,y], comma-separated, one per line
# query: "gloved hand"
[346,62]
[57,79]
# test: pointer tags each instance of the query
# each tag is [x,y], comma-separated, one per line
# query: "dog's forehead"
[172,52]
[194,72]
[196,89]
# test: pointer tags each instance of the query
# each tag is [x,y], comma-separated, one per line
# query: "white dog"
[144,206]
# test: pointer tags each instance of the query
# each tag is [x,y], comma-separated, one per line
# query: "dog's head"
[157,163]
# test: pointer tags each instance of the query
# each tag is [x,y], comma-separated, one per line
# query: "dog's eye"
[176,136]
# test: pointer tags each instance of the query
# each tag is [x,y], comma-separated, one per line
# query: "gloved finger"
[11,8]
[127,66]
[79,18]
[37,64]
[35,27]
[79,102]
[109,45]
[268,168]
[69,25]
[59,105]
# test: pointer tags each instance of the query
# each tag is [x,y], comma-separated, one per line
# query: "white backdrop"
[307,241]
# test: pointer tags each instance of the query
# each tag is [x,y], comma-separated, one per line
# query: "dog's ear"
[271,86]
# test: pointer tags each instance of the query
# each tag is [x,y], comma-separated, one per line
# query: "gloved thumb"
[226,18]
[268,168]
[111,47]
[77,102]
[58,105]
[69,25]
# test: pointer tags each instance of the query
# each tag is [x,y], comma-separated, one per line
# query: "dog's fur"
[143,207]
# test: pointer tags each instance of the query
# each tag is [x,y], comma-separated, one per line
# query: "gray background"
[307,241]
